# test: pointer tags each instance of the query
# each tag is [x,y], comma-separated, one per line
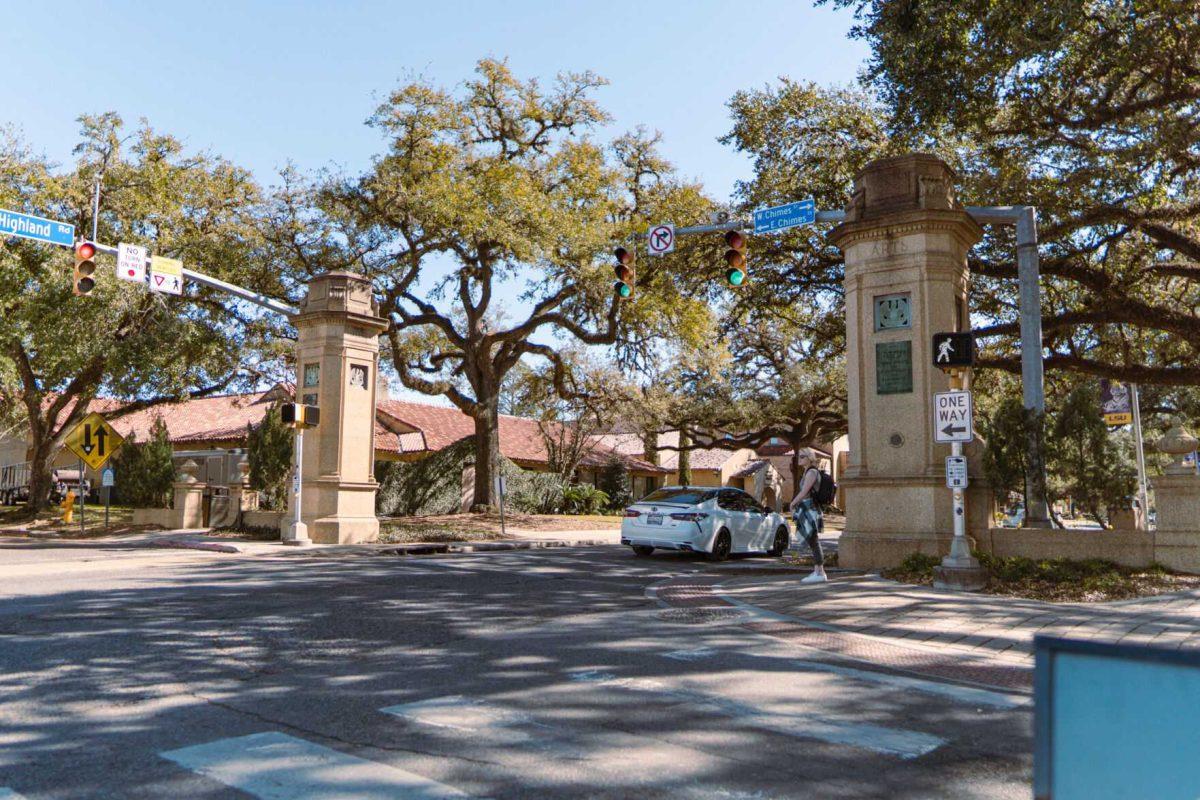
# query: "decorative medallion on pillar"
[905,241]
[337,357]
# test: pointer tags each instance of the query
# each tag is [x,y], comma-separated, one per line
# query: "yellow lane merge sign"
[93,440]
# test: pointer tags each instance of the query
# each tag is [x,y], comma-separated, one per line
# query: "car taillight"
[629,512]
[690,516]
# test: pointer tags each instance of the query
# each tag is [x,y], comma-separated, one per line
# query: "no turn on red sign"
[952,417]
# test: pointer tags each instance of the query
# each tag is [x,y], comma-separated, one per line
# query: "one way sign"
[952,417]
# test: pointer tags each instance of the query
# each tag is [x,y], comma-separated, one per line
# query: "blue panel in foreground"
[1116,721]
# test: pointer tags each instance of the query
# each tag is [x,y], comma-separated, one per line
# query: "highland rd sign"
[39,229]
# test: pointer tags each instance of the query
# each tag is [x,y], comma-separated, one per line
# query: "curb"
[483,547]
[190,544]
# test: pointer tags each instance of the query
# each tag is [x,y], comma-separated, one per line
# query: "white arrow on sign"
[952,417]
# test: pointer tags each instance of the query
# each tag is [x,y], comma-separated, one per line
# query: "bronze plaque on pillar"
[893,368]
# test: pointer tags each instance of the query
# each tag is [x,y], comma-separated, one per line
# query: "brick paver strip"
[859,647]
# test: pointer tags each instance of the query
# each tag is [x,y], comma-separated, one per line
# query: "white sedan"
[701,519]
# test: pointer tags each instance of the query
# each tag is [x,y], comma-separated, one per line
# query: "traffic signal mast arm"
[262,300]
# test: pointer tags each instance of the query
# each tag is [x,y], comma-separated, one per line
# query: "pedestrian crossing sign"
[93,440]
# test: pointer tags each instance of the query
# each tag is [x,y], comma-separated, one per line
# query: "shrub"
[144,472]
[582,498]
[432,485]
[269,451]
[614,482]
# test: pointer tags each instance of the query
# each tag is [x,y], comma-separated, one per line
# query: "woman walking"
[806,512]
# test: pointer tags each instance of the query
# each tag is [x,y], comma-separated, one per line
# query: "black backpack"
[825,489]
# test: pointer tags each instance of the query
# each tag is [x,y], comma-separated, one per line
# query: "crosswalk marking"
[275,766]
[898,742]
[487,723]
[9,794]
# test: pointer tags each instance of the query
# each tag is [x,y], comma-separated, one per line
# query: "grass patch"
[410,534]
[18,521]
[1057,580]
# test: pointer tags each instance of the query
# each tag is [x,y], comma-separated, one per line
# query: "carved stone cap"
[1178,443]
[916,187]
[347,292]
[913,182]
[187,472]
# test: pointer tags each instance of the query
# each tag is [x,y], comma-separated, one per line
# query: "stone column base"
[878,550]
[960,579]
[344,530]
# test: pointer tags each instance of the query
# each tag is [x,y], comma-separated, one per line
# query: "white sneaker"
[818,576]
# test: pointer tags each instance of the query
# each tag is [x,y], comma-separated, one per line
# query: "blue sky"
[263,83]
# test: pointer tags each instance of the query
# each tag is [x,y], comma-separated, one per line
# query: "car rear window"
[681,495]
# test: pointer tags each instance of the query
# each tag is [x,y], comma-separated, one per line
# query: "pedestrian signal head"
[624,271]
[85,266]
[735,258]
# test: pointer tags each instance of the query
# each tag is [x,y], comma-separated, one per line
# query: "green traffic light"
[623,289]
[735,277]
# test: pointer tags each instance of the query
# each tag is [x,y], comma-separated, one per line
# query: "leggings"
[810,523]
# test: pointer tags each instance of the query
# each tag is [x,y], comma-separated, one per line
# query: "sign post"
[94,441]
[953,424]
[106,481]
[500,487]
[298,417]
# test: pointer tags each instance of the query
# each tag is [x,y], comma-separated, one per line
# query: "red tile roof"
[520,437]
[221,418]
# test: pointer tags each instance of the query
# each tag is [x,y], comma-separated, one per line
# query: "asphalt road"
[144,674]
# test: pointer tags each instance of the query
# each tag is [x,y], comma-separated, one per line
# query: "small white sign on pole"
[166,275]
[131,263]
[952,417]
[956,472]
[660,240]
[107,477]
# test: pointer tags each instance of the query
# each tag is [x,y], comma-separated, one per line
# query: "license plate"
[654,519]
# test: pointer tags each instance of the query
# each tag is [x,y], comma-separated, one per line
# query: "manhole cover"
[700,616]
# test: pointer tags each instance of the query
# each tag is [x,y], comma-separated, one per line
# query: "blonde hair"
[806,454]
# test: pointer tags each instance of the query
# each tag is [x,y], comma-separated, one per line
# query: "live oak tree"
[58,351]
[497,185]
[1089,110]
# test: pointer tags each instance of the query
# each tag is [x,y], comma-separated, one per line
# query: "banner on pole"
[1116,405]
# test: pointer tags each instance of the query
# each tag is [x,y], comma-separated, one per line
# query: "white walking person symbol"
[945,349]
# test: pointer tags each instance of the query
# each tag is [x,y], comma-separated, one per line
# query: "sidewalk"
[984,639]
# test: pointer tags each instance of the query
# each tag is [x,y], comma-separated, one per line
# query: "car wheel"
[642,550]
[781,543]
[721,546]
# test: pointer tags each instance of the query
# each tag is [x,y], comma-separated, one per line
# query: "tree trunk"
[795,471]
[650,446]
[685,458]
[40,482]
[487,452]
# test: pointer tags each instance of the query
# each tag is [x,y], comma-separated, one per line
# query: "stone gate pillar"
[336,369]
[905,240]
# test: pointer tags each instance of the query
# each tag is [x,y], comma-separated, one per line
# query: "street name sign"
[789,215]
[131,263]
[952,417]
[660,240]
[93,440]
[13,223]
[956,472]
[954,350]
[166,275]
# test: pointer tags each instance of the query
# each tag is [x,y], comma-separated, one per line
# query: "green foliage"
[583,498]
[144,471]
[536,493]
[1005,433]
[614,482]
[1086,461]
[269,451]
[432,485]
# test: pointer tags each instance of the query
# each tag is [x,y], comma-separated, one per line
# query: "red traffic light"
[624,271]
[735,258]
[85,250]
[736,240]
[623,256]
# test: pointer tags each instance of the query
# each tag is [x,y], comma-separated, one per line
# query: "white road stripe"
[485,722]
[9,794]
[275,766]
[889,741]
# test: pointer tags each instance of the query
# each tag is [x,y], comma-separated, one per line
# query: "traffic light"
[297,415]
[735,258]
[85,266]
[624,270]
